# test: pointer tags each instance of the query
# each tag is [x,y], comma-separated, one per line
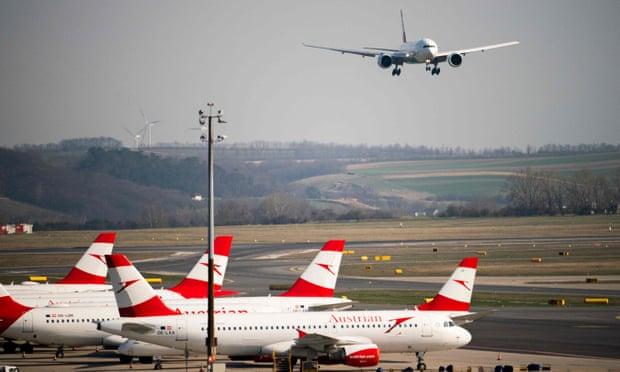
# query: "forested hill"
[117,187]
[98,184]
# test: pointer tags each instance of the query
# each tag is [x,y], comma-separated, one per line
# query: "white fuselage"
[421,51]
[75,325]
[51,289]
[263,333]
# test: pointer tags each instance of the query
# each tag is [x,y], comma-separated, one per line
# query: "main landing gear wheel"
[60,353]
[435,71]
[396,71]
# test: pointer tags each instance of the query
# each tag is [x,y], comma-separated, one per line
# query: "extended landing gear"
[396,71]
[434,70]
[60,352]
[421,365]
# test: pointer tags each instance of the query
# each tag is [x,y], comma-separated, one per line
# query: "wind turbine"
[148,125]
[137,137]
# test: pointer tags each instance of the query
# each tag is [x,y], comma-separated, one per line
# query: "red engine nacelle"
[364,355]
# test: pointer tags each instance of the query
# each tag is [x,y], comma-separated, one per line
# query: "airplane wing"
[332,307]
[138,327]
[442,56]
[468,318]
[319,342]
[363,53]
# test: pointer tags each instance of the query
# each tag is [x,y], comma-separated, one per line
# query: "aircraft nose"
[464,337]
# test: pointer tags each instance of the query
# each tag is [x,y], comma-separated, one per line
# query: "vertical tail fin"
[455,295]
[91,268]
[134,295]
[319,278]
[402,25]
[10,310]
[196,284]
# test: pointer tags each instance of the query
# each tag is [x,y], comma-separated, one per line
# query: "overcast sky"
[73,69]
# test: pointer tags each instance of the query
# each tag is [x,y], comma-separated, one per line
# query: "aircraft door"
[27,323]
[181,334]
[427,328]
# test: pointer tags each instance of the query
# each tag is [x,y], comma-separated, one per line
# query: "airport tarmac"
[563,338]
[87,359]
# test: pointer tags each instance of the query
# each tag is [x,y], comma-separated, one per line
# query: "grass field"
[467,178]
[396,230]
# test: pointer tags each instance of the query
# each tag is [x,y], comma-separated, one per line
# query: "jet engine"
[361,355]
[455,59]
[384,60]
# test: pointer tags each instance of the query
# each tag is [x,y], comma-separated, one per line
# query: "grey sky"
[85,68]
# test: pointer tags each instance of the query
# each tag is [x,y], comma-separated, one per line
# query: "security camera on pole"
[207,136]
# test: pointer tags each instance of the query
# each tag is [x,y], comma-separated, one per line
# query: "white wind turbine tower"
[148,125]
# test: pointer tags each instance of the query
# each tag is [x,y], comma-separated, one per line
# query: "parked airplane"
[88,274]
[354,338]
[65,325]
[452,300]
[195,284]
[421,51]
[315,287]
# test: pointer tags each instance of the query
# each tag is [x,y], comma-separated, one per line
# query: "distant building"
[20,228]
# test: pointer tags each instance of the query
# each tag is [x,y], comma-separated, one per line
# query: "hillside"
[115,187]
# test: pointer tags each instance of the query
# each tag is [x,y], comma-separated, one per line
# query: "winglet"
[319,278]
[196,284]
[134,295]
[10,310]
[455,295]
[91,268]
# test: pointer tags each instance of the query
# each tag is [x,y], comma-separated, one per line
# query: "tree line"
[542,192]
[532,192]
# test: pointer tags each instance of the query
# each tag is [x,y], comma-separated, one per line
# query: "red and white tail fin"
[10,310]
[91,268]
[319,279]
[455,295]
[196,284]
[134,295]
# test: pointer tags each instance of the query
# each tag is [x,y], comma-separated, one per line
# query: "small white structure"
[20,228]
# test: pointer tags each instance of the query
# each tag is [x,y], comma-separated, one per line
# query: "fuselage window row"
[324,326]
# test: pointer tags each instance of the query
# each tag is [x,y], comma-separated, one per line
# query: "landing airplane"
[354,338]
[415,52]
[74,325]
[88,274]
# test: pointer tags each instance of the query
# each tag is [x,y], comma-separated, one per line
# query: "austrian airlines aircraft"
[195,284]
[88,274]
[64,325]
[415,52]
[354,338]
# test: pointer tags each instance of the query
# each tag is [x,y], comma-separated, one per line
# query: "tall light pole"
[206,135]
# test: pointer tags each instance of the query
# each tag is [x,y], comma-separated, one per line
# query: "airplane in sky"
[354,338]
[420,51]
[74,324]
[88,274]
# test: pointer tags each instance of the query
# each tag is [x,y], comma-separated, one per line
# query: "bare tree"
[525,192]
